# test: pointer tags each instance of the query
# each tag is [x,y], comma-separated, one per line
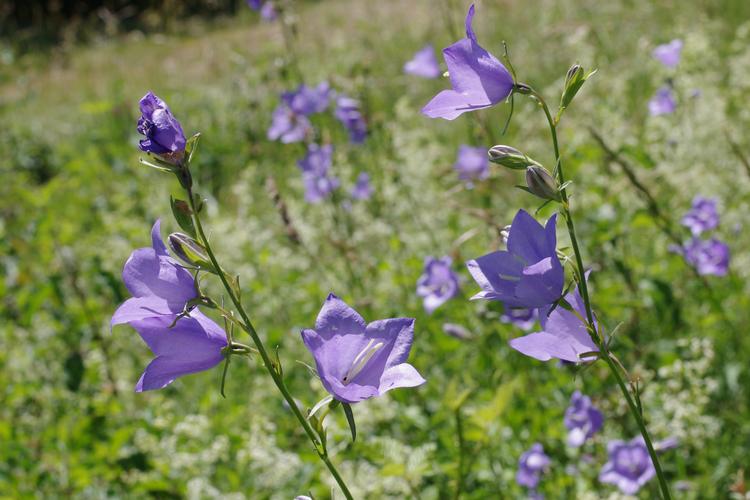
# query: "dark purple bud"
[540,183]
[190,251]
[164,135]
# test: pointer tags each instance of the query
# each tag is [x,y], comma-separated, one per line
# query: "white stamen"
[361,359]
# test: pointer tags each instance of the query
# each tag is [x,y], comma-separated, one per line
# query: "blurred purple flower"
[582,419]
[315,166]
[629,466]
[266,8]
[356,360]
[708,257]
[472,163]
[438,283]
[669,53]
[662,103]
[478,79]
[531,465]
[525,319]
[529,273]
[702,216]
[308,100]
[162,130]
[349,114]
[424,63]
[667,444]
[563,335]
[362,189]
[288,126]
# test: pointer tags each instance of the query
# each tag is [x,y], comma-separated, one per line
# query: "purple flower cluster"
[582,419]
[438,283]
[290,122]
[708,257]
[315,167]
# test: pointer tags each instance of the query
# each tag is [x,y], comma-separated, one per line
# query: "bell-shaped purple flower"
[163,132]
[708,257]
[529,273]
[193,344]
[356,360]
[308,100]
[629,466]
[531,465]
[159,285]
[702,216]
[362,189]
[315,166]
[582,419]
[438,283]
[564,335]
[478,79]
[525,319]
[472,163]
[662,103]
[669,53]
[423,64]
[349,114]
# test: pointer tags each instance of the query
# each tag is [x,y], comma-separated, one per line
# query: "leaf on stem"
[350,419]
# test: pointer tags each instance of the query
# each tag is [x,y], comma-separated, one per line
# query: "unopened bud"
[574,80]
[510,157]
[190,251]
[540,183]
[522,88]
[574,72]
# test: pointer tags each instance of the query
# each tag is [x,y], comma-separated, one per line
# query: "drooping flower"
[531,465]
[423,64]
[159,285]
[472,163]
[288,126]
[193,344]
[362,189]
[528,274]
[702,216]
[669,53]
[478,79]
[356,360]
[582,419]
[163,132]
[308,100]
[525,319]
[438,283]
[708,257]
[629,466]
[564,336]
[315,166]
[662,103]
[349,114]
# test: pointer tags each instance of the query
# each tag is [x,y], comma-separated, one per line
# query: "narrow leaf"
[350,419]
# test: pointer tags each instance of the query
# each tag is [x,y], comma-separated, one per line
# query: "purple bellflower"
[356,360]
[662,103]
[708,257]
[472,163]
[163,132]
[315,166]
[362,189]
[582,419]
[424,63]
[702,216]
[438,283]
[563,335]
[288,126]
[629,466]
[266,8]
[531,465]
[525,319]
[478,79]
[308,100]
[669,53]
[349,114]
[528,274]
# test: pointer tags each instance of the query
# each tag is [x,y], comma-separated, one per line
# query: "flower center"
[361,359]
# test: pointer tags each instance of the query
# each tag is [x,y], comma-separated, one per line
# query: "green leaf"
[191,146]
[183,215]
[350,419]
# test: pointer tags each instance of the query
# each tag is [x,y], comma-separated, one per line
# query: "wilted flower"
[163,132]
[702,215]
[308,100]
[362,189]
[582,419]
[438,283]
[629,466]
[424,63]
[159,285]
[531,465]
[669,53]
[708,257]
[523,318]
[288,126]
[564,335]
[349,114]
[472,163]
[356,360]
[662,103]
[315,166]
[529,273]
[478,79]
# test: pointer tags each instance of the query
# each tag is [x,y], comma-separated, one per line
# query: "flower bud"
[540,183]
[574,80]
[510,157]
[574,72]
[190,251]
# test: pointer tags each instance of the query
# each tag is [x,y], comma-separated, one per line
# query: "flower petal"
[337,318]
[403,375]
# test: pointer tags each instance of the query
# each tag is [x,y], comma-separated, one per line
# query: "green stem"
[461,451]
[604,351]
[270,366]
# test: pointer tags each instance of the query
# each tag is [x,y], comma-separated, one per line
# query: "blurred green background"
[74,202]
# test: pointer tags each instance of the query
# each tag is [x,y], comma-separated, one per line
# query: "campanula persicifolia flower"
[525,319]
[478,79]
[472,163]
[349,114]
[438,283]
[362,189]
[315,166]
[163,132]
[662,103]
[528,274]
[708,257]
[582,419]
[531,465]
[288,126]
[669,53]
[702,216]
[356,360]
[423,64]
[629,466]
[308,100]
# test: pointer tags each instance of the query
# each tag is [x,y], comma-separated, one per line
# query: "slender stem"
[604,351]
[271,367]
[461,451]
